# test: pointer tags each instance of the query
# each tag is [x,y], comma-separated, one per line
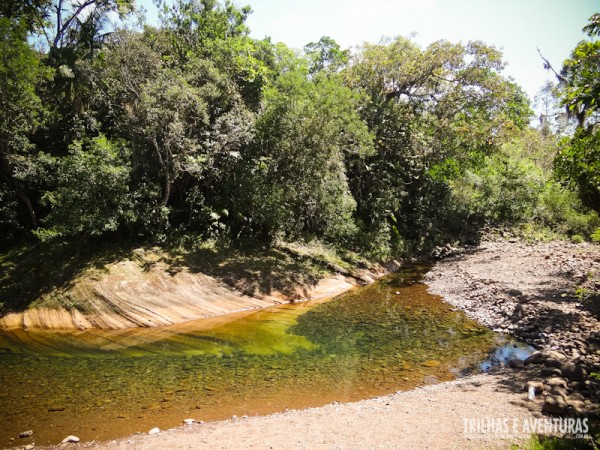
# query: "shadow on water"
[391,335]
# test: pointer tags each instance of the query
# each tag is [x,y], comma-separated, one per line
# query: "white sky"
[518,27]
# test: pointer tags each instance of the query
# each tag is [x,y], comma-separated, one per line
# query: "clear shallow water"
[98,385]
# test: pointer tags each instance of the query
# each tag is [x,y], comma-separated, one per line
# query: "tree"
[307,129]
[325,55]
[99,205]
[434,113]
[553,117]
[30,13]
[20,113]
[578,165]
[209,30]
[578,162]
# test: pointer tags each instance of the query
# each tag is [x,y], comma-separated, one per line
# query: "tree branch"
[61,29]
[548,66]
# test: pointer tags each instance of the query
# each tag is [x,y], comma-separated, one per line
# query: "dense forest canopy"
[196,129]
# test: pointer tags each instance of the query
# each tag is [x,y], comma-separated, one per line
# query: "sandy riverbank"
[429,417]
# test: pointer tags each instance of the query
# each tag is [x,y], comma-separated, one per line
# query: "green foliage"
[540,442]
[195,131]
[21,112]
[97,206]
[306,130]
[578,163]
[515,187]
[506,190]
[325,55]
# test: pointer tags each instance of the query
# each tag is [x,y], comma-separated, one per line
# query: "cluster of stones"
[564,382]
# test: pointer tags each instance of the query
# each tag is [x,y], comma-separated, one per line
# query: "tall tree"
[20,113]
[326,55]
[578,162]
[307,129]
[433,112]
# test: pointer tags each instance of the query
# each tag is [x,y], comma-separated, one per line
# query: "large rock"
[551,362]
[557,382]
[540,357]
[535,358]
[515,364]
[555,355]
[551,372]
[537,385]
[557,390]
[574,372]
[576,407]
[555,404]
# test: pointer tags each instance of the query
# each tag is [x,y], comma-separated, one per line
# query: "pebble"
[70,439]
[26,434]
[189,421]
[153,431]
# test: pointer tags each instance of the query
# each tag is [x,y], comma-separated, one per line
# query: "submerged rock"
[56,408]
[26,434]
[431,363]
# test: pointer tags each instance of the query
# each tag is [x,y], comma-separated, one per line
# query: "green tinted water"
[97,385]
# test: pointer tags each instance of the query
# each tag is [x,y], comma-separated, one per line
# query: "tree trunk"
[6,173]
[166,189]
[25,199]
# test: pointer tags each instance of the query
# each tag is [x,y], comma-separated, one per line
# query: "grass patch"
[538,442]
[41,274]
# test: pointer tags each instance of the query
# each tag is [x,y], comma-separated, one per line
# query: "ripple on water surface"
[95,384]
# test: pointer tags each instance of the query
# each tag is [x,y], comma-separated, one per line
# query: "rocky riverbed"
[542,294]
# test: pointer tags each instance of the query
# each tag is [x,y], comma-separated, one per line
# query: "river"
[392,335]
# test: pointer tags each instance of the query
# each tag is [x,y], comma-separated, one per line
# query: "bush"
[92,192]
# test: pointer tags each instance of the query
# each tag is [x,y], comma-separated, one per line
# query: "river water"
[392,335]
